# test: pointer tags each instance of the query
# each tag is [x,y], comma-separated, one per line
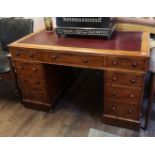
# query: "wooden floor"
[78,110]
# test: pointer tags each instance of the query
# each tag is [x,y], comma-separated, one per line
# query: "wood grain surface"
[78,111]
[127,52]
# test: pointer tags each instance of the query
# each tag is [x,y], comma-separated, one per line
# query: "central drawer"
[123,94]
[70,59]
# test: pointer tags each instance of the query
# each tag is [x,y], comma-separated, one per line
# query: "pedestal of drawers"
[32,83]
[123,92]
[39,85]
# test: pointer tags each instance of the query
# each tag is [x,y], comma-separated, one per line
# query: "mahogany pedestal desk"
[123,59]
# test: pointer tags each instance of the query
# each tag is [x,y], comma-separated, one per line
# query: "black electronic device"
[85,26]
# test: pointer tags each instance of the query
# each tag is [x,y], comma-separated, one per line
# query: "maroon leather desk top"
[126,41]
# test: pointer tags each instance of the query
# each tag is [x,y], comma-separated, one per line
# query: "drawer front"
[128,94]
[73,59]
[25,54]
[123,110]
[28,68]
[127,63]
[32,82]
[34,95]
[124,78]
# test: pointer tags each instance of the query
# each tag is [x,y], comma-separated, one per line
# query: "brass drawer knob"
[21,67]
[85,60]
[114,62]
[31,55]
[25,80]
[40,95]
[114,93]
[130,111]
[114,78]
[132,81]
[54,57]
[27,93]
[134,64]
[17,54]
[113,108]
[34,69]
[131,95]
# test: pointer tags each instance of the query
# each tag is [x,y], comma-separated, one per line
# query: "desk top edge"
[144,50]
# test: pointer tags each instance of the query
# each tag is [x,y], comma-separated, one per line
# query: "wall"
[39,22]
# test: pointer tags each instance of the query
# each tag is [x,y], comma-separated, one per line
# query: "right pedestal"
[123,94]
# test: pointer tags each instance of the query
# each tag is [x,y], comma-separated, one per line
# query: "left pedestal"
[40,84]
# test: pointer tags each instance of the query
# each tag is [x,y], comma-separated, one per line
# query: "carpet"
[98,133]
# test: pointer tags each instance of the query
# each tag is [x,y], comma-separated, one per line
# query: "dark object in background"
[12,29]
[85,26]
[152,36]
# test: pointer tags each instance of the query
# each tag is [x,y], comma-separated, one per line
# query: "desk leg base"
[121,122]
[37,106]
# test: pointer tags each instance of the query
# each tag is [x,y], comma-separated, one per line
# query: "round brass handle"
[134,64]
[85,60]
[113,108]
[17,54]
[40,95]
[114,78]
[34,69]
[133,81]
[114,62]
[54,57]
[114,93]
[130,111]
[31,55]
[25,80]
[21,67]
[131,95]
[28,94]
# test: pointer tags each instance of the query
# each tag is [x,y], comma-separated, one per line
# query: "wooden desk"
[123,59]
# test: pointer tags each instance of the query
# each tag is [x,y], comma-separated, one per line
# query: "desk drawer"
[25,54]
[32,82]
[34,95]
[127,63]
[73,59]
[28,68]
[127,94]
[124,78]
[123,110]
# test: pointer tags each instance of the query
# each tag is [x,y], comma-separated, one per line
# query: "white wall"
[39,22]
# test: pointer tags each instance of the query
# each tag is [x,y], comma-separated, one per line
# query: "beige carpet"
[99,133]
